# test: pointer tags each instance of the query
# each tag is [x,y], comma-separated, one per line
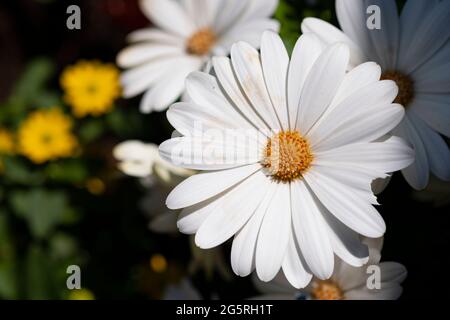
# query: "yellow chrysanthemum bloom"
[90,87]
[6,142]
[46,135]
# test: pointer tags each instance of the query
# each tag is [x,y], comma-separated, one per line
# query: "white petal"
[294,266]
[434,110]
[208,153]
[364,115]
[168,15]
[261,8]
[235,210]
[382,157]
[244,243]
[169,88]
[321,85]
[306,51]
[191,218]
[393,272]
[203,186]
[154,35]
[274,234]
[352,18]
[248,31]
[414,14]
[275,63]
[345,242]
[229,13]
[201,12]
[140,78]
[228,81]
[204,90]
[329,35]
[434,75]
[385,40]
[436,148]
[429,36]
[359,77]
[247,65]
[417,174]
[345,205]
[311,231]
[137,54]
[364,126]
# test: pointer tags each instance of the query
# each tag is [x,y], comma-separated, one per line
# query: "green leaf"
[71,171]
[90,130]
[43,210]
[16,171]
[33,80]
[8,275]
[38,274]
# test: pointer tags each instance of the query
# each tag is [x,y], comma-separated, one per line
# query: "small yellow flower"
[81,294]
[6,142]
[46,135]
[90,87]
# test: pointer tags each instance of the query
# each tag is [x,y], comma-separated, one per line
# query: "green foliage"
[290,24]
[15,170]
[30,92]
[8,279]
[43,210]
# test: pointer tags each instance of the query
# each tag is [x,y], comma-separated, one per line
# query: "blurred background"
[74,207]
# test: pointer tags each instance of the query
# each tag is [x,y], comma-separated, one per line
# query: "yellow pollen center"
[201,42]
[287,156]
[327,290]
[405,86]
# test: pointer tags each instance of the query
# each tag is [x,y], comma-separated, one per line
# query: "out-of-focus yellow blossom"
[90,87]
[158,263]
[81,294]
[95,186]
[6,142]
[46,135]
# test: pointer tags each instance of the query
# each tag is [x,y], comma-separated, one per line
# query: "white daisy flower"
[299,190]
[347,282]
[186,34]
[414,51]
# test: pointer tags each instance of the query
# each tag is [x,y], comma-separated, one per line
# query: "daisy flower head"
[46,135]
[186,34]
[90,87]
[286,146]
[413,50]
[376,281]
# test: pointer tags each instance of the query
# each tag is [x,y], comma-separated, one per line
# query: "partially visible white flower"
[414,51]
[186,34]
[347,282]
[139,159]
[296,189]
[142,160]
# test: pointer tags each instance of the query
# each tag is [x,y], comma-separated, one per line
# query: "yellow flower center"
[326,290]
[287,156]
[201,42]
[405,86]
